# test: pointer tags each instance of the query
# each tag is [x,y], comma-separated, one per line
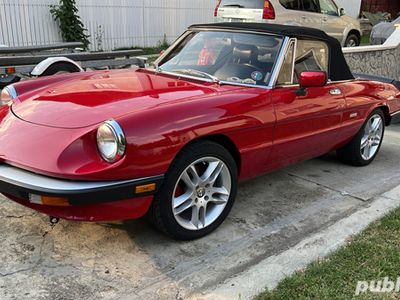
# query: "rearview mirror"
[341,12]
[312,79]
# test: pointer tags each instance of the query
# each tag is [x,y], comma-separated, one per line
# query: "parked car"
[381,32]
[225,103]
[320,14]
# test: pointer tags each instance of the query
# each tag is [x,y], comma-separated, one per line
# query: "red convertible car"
[225,103]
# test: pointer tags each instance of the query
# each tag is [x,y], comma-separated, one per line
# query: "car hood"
[97,96]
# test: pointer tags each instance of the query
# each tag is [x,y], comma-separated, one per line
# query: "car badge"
[257,76]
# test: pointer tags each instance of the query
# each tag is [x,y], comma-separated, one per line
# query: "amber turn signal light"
[47,200]
[146,188]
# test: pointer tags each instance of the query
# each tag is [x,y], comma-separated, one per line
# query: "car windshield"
[224,56]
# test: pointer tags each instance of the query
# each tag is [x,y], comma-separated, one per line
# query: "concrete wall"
[380,60]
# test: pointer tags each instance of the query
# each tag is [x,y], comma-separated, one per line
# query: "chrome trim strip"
[245,84]
[180,75]
[344,81]
[279,62]
[32,181]
[121,141]
[395,113]
[11,90]
[294,41]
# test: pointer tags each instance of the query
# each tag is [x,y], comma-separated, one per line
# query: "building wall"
[391,6]
[110,23]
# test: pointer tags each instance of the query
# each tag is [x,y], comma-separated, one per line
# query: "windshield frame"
[274,71]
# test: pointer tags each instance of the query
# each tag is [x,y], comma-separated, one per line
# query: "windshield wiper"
[197,72]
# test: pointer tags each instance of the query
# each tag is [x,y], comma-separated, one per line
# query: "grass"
[372,255]
[161,45]
[364,40]
[150,51]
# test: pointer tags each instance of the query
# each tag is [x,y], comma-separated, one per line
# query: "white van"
[320,14]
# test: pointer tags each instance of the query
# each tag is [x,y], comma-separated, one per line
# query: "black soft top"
[338,68]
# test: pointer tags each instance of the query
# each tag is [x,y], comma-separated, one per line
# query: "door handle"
[335,91]
[325,19]
[303,17]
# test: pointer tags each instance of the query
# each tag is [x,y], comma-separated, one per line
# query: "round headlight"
[111,141]
[7,95]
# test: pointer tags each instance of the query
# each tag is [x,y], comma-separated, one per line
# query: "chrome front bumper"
[23,184]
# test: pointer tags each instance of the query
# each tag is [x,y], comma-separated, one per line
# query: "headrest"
[245,54]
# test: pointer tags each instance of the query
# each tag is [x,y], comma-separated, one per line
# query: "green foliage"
[164,43]
[72,29]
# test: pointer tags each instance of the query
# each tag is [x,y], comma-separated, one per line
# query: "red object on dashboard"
[207,57]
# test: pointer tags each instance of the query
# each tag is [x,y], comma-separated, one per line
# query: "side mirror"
[312,79]
[341,12]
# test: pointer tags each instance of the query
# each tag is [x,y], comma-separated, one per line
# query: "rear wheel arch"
[386,113]
[353,32]
[59,68]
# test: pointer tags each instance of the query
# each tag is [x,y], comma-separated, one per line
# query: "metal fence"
[111,23]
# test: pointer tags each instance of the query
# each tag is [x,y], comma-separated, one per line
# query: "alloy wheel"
[372,137]
[201,193]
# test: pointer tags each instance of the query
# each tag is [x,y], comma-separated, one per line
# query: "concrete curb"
[269,272]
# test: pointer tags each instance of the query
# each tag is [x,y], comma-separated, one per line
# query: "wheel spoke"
[195,216]
[178,201]
[376,124]
[367,151]
[196,178]
[220,190]
[184,206]
[218,201]
[202,215]
[364,142]
[212,172]
[367,129]
[376,141]
[190,182]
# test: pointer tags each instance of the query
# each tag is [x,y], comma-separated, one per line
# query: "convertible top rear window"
[227,56]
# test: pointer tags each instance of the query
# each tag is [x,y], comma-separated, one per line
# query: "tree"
[71,26]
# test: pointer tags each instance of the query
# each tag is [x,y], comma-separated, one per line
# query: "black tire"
[352,40]
[60,67]
[351,153]
[161,211]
